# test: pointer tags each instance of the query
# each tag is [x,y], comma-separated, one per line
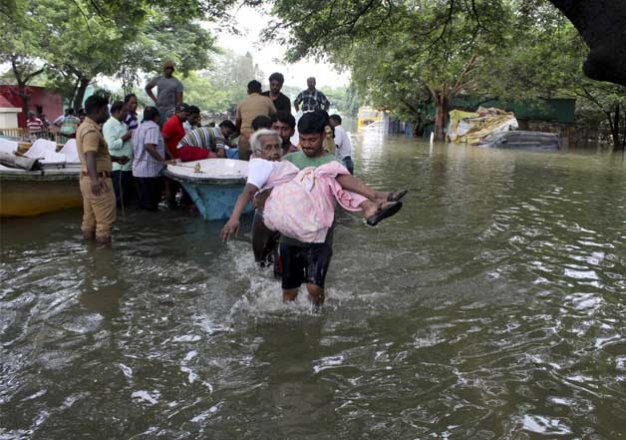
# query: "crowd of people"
[123,158]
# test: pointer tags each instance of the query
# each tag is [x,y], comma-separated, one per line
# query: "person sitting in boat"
[206,142]
[260,122]
[195,119]
[316,190]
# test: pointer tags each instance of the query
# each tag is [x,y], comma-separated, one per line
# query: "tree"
[442,46]
[18,49]
[88,46]
[219,90]
[77,40]
[546,63]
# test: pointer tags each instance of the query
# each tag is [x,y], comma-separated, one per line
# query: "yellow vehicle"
[367,116]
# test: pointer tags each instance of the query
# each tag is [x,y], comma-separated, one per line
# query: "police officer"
[96,186]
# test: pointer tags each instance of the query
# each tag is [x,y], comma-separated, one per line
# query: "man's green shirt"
[303,161]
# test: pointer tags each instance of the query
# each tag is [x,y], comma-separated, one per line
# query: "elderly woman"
[302,203]
[149,159]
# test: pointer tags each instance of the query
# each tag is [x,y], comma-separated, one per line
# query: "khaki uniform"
[248,109]
[98,211]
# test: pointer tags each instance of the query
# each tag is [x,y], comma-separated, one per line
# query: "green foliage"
[406,56]
[220,89]
[77,40]
[401,52]
[343,99]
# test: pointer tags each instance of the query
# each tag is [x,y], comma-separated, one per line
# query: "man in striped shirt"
[205,142]
[132,120]
[311,99]
[35,125]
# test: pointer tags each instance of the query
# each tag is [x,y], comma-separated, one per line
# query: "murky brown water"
[493,306]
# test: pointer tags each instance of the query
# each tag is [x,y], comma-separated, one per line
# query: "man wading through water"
[297,198]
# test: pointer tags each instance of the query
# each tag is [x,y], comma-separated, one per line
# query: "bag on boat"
[21,162]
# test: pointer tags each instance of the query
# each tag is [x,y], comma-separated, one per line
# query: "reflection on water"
[492,306]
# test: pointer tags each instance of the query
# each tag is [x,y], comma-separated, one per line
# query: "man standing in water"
[169,91]
[311,99]
[248,109]
[343,145]
[132,120]
[96,186]
[280,100]
[307,262]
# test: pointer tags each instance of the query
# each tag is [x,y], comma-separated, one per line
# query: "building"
[8,114]
[40,98]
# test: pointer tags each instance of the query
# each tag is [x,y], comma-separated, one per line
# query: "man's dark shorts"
[305,262]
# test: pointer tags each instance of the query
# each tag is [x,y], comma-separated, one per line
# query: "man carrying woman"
[299,202]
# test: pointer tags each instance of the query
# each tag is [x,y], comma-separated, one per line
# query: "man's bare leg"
[290,295]
[316,294]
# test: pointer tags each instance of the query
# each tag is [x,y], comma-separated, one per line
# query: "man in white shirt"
[343,144]
[118,139]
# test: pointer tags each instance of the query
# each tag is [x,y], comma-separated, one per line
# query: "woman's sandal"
[390,210]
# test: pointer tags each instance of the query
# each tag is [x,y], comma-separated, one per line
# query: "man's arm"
[91,141]
[325,103]
[238,120]
[58,121]
[186,140]
[152,151]
[220,145]
[149,88]
[296,103]
[179,93]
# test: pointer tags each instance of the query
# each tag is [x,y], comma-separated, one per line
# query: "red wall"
[51,103]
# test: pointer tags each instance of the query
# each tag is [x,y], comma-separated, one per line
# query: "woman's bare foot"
[391,196]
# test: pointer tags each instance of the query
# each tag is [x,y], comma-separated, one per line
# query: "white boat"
[51,188]
[213,184]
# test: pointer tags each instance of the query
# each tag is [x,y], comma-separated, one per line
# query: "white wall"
[8,117]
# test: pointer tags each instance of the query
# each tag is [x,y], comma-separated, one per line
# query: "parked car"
[528,140]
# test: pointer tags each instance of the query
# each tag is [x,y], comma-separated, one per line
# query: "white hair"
[255,141]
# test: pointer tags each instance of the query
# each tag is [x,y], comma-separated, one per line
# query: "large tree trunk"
[80,93]
[22,90]
[442,107]
[615,128]
[618,144]
[602,25]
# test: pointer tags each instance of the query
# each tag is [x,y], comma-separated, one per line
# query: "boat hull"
[29,195]
[213,184]
[214,202]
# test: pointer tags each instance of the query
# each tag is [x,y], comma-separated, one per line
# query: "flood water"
[492,306]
